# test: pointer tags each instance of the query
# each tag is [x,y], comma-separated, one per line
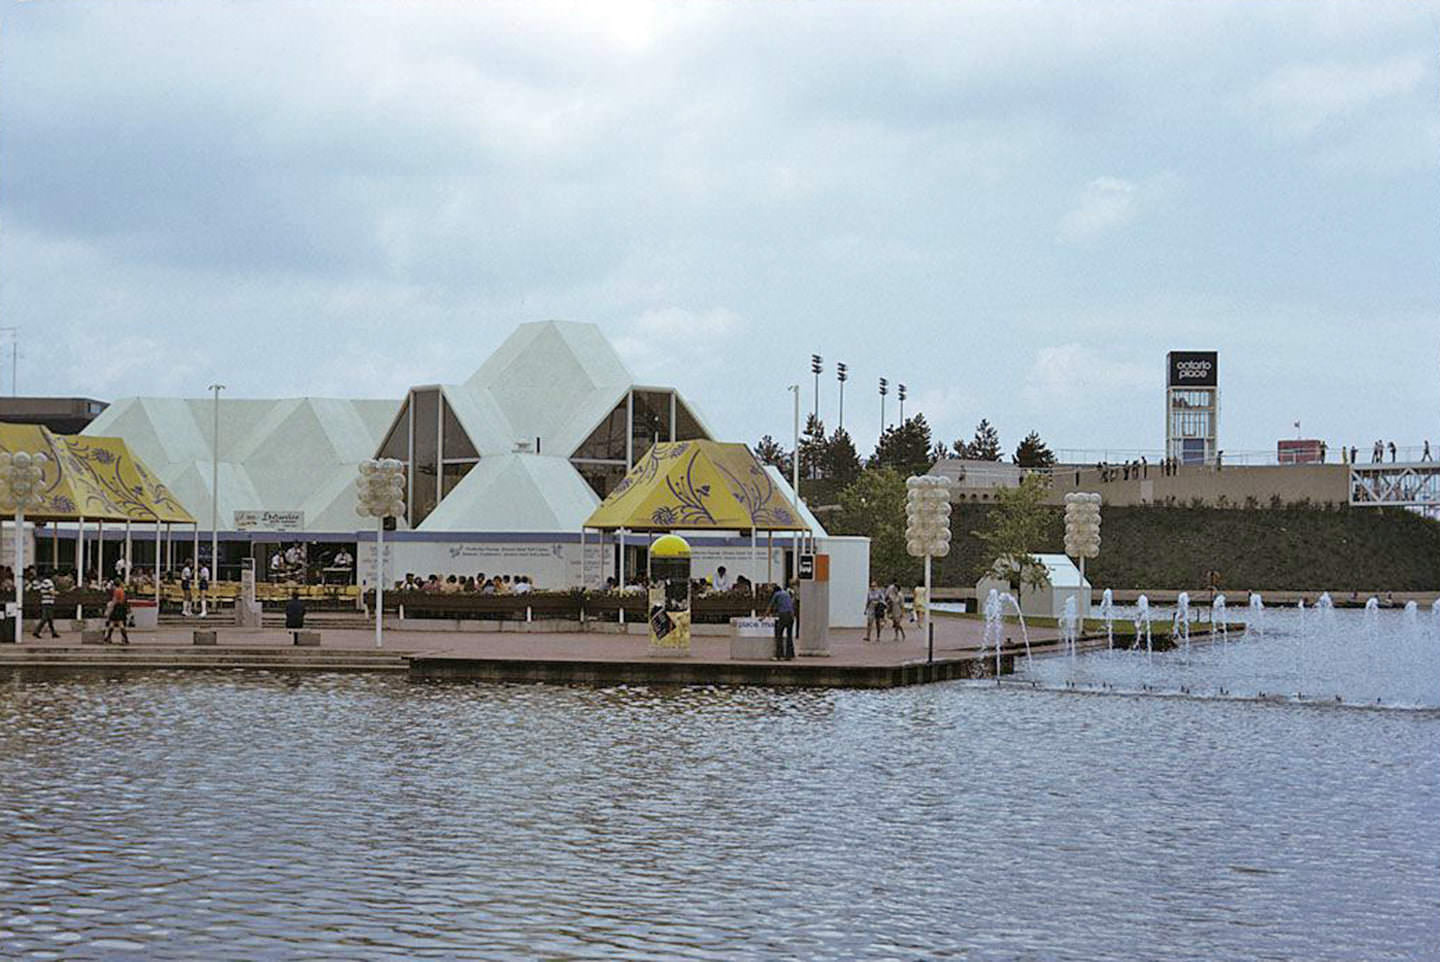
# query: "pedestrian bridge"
[1403,485]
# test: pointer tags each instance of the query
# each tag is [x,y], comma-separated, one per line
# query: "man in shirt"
[782,606]
[295,616]
[46,587]
[722,580]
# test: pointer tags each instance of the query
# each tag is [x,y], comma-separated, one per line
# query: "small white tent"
[1047,601]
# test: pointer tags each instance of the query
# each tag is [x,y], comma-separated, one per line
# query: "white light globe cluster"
[1082,524]
[380,488]
[927,516]
[20,477]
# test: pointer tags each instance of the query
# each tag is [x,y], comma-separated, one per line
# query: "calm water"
[206,816]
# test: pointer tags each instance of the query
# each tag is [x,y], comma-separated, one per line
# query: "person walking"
[1425,454]
[1392,452]
[874,611]
[117,612]
[46,587]
[895,608]
[782,606]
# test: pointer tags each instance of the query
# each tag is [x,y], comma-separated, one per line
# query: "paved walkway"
[954,637]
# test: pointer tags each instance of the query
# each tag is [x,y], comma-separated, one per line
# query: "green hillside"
[1281,548]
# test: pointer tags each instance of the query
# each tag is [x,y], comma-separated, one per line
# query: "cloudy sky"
[1014,208]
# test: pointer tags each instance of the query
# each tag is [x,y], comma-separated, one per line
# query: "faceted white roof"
[295,454]
[555,380]
[516,492]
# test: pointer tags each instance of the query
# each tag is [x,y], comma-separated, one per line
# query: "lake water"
[228,815]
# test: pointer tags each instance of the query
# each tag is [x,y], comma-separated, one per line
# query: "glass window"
[606,442]
[652,420]
[424,487]
[458,446]
[397,442]
[601,477]
[686,427]
[453,474]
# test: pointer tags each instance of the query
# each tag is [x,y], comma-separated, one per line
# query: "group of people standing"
[885,605]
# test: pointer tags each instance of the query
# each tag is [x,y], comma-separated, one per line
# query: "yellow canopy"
[697,486]
[98,479]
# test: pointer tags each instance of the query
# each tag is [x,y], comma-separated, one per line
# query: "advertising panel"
[1192,369]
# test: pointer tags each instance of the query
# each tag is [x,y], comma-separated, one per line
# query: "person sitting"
[489,587]
[523,585]
[722,580]
[451,585]
[295,616]
[470,586]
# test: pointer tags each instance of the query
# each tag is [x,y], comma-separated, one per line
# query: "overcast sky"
[1014,208]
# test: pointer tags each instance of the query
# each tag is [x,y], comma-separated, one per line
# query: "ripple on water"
[193,815]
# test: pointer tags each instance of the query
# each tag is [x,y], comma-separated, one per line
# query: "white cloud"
[1072,375]
[667,344]
[1108,204]
[1300,99]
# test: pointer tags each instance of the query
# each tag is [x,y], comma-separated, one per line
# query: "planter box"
[204,637]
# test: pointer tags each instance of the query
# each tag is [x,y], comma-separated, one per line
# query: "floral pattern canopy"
[697,486]
[98,479]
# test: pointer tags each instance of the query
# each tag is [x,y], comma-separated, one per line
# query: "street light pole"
[884,390]
[795,477]
[842,375]
[215,389]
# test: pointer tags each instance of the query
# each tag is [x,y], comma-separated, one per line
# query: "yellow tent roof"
[98,479]
[697,486]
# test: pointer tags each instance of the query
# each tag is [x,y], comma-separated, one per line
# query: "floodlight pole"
[929,634]
[795,481]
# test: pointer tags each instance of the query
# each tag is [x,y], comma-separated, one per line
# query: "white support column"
[379,580]
[19,574]
[129,568]
[157,566]
[80,554]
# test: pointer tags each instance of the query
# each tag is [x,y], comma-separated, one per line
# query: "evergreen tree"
[1033,453]
[939,452]
[812,447]
[904,448]
[769,451]
[985,446]
[840,462]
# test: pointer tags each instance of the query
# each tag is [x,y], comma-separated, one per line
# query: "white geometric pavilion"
[530,443]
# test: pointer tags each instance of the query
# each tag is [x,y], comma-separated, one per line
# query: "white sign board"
[269,521]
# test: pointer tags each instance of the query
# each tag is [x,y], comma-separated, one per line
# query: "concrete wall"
[1318,483]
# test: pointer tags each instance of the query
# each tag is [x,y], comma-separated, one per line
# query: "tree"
[939,452]
[905,448]
[1015,529]
[769,451]
[840,462]
[985,446]
[812,447]
[874,507]
[1033,453]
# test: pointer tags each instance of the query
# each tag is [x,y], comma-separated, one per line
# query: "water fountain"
[994,627]
[1024,633]
[1325,609]
[1180,624]
[1218,618]
[1256,622]
[1107,611]
[1069,625]
[1142,622]
[1412,619]
[1372,616]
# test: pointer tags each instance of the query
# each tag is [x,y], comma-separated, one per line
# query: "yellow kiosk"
[670,596]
